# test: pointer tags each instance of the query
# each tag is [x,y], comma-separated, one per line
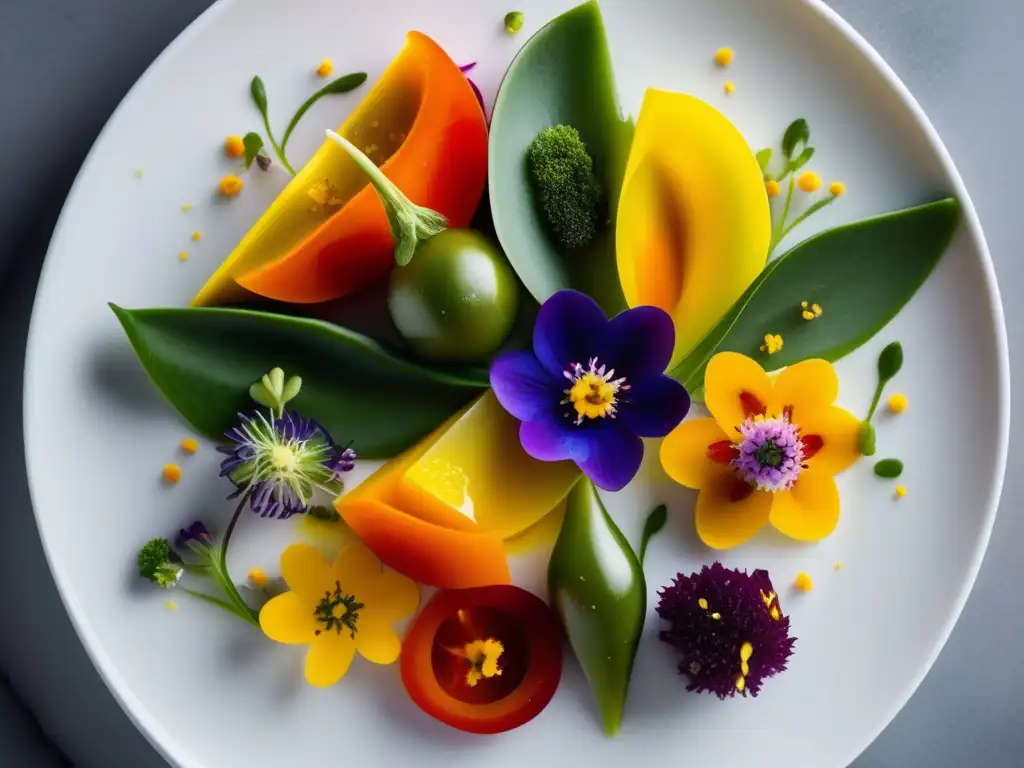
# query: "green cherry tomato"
[456,301]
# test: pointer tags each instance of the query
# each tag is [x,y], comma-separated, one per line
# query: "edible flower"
[483,660]
[592,387]
[728,627]
[280,462]
[338,608]
[767,454]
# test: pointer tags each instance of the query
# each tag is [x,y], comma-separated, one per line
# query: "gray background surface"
[64,66]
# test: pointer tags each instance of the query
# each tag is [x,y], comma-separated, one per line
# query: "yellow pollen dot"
[807,315]
[898,403]
[326,68]
[804,582]
[230,185]
[259,577]
[816,309]
[197,236]
[772,343]
[186,207]
[724,56]
[837,188]
[138,173]
[767,599]
[746,651]
[183,256]
[592,396]
[901,491]
[170,605]
[703,604]
[775,613]
[744,668]
[716,616]
[483,656]
[171,473]
[234,146]
[772,188]
[729,88]
[282,458]
[803,304]
[838,566]
[190,445]
[741,684]
[809,181]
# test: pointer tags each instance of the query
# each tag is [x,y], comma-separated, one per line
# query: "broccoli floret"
[567,189]
[156,563]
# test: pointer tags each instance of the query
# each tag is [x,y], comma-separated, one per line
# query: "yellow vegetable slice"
[478,468]
[693,224]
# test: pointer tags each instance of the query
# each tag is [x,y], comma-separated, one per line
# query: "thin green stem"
[278,150]
[779,232]
[214,601]
[341,85]
[875,400]
[221,569]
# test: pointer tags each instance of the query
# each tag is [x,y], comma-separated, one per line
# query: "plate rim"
[177,755]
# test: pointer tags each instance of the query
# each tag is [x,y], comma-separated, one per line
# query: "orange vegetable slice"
[326,234]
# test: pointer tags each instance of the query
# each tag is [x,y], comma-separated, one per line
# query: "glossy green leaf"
[862,274]
[562,76]
[889,363]
[802,160]
[763,158]
[204,361]
[253,143]
[597,588]
[796,134]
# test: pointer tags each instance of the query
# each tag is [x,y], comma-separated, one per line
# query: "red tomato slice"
[435,666]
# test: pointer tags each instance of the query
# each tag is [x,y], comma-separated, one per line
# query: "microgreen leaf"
[343,84]
[655,522]
[259,97]
[261,395]
[802,160]
[291,389]
[889,363]
[253,143]
[797,133]
[763,158]
[324,513]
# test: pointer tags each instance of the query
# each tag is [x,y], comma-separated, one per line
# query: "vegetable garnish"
[728,627]
[768,453]
[596,586]
[514,21]
[158,563]
[230,185]
[343,84]
[337,609]
[889,468]
[889,363]
[410,223]
[592,387]
[483,660]
[568,191]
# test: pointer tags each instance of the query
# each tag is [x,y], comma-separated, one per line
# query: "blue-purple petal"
[614,455]
[654,406]
[570,328]
[523,387]
[552,439]
[639,342]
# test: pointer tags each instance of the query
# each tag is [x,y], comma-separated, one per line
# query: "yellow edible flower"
[326,68]
[809,181]
[233,147]
[837,188]
[230,185]
[724,56]
[339,608]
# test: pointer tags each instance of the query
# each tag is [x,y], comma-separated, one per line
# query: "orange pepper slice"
[327,235]
[428,553]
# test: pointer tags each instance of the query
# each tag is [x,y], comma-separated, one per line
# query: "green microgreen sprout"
[890,361]
[253,144]
[157,562]
[410,223]
[343,84]
[274,391]
[796,153]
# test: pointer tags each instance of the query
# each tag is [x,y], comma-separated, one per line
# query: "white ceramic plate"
[208,691]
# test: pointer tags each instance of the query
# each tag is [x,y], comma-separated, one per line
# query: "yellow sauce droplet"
[197,236]
[259,577]
[326,68]
[729,88]
[183,256]
[234,146]
[901,491]
[898,403]
[809,181]
[170,605]
[171,473]
[838,566]
[230,185]
[724,56]
[190,445]
[804,582]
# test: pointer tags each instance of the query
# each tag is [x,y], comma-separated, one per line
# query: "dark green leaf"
[802,160]
[862,274]
[655,522]
[343,84]
[890,362]
[889,468]
[763,158]
[796,134]
[253,143]
[259,94]
[866,438]
[204,361]
[562,76]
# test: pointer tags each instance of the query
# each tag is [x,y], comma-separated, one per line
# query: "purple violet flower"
[592,387]
[728,627]
[280,462]
[194,532]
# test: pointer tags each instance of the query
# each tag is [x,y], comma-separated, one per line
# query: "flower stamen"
[594,393]
[336,611]
[770,453]
[482,657]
